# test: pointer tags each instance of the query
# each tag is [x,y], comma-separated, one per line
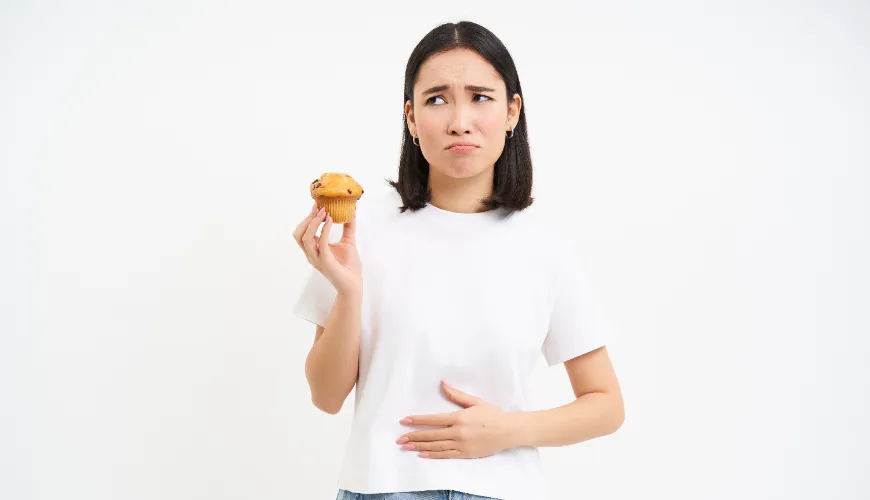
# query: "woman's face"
[460,97]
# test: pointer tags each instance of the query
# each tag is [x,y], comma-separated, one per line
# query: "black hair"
[512,178]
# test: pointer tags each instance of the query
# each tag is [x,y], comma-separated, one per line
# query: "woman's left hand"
[479,430]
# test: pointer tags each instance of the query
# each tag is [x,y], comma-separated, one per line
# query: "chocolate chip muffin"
[338,193]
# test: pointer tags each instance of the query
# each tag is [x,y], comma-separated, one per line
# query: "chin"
[462,169]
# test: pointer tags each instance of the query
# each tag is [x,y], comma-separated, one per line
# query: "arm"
[332,365]
[333,361]
[596,411]
[482,429]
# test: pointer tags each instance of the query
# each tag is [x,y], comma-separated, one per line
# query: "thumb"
[462,399]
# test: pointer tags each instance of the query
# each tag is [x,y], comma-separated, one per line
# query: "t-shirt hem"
[312,315]
[572,352]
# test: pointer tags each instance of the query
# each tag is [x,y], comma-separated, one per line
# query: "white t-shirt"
[472,299]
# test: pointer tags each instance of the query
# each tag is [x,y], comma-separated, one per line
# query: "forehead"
[462,66]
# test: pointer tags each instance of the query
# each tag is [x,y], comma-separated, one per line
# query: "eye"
[474,98]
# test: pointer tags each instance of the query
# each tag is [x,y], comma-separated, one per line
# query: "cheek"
[429,124]
[493,124]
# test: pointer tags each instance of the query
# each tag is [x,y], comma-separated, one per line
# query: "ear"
[514,108]
[409,118]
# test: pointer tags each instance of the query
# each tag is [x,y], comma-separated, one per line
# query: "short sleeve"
[316,298]
[576,321]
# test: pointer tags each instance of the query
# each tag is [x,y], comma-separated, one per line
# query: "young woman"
[438,309]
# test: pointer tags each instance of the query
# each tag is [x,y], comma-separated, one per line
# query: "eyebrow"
[441,88]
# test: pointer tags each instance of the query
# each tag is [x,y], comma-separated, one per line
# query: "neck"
[460,195]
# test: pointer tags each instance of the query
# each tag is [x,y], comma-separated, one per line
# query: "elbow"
[320,397]
[326,405]
[617,416]
[324,401]
[618,419]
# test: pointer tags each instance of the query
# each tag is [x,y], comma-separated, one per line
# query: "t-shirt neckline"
[461,219]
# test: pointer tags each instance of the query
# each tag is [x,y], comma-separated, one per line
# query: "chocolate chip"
[349,191]
[317,185]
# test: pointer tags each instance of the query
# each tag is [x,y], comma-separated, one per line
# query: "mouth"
[462,147]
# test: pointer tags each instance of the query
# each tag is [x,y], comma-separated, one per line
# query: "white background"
[156,156]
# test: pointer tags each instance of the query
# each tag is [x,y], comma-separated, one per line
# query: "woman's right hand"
[338,262]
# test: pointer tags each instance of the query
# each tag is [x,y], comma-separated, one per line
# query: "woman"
[464,286]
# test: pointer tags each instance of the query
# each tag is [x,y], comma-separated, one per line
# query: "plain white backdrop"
[155,158]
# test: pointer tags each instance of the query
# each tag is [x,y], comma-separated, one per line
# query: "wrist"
[519,427]
[350,294]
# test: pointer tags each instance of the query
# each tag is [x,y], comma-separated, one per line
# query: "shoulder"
[552,233]
[540,221]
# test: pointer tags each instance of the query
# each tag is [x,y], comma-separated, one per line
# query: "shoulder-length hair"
[512,178]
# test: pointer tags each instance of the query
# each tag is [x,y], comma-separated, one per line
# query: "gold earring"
[415,141]
[511,133]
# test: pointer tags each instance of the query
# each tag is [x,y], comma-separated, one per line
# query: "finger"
[462,399]
[437,419]
[432,446]
[308,237]
[323,242]
[348,231]
[441,454]
[310,232]
[300,229]
[428,435]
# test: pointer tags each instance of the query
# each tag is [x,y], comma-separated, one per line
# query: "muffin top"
[336,185]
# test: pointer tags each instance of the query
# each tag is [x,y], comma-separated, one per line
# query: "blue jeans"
[411,495]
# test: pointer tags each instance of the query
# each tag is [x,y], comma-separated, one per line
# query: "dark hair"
[512,178]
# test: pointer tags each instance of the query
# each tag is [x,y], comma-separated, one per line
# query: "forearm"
[591,415]
[333,362]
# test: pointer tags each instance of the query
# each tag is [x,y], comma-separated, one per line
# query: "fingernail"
[423,454]
[402,440]
[314,209]
[405,421]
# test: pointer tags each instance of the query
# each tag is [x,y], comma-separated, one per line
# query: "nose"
[460,120]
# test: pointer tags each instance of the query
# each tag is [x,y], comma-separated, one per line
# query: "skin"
[458,182]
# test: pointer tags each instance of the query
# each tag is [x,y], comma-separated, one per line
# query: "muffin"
[338,193]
